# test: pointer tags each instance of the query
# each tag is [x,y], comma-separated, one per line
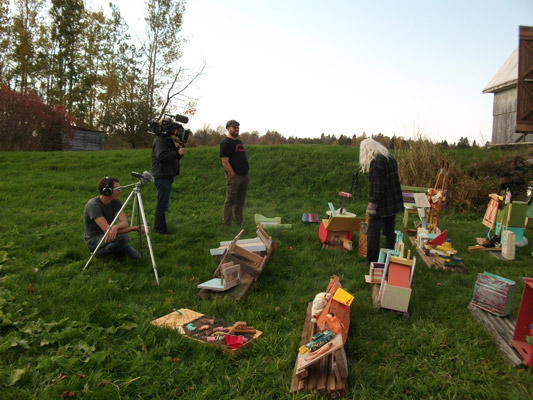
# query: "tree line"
[64,65]
[66,55]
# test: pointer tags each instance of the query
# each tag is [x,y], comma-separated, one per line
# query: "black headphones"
[107,189]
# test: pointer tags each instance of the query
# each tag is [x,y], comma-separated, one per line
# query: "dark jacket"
[384,186]
[165,158]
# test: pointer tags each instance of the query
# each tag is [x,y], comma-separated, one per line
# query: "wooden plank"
[251,258]
[342,362]
[478,247]
[298,384]
[245,268]
[237,293]
[374,291]
[229,251]
[240,242]
[501,330]
[252,246]
[267,240]
[421,200]
[177,318]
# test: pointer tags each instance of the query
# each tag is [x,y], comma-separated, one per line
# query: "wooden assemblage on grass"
[432,260]
[180,319]
[336,231]
[326,373]
[251,264]
[393,292]
[494,294]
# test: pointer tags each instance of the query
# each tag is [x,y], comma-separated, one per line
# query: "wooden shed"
[513,94]
[84,140]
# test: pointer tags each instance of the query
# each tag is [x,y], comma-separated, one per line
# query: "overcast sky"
[307,67]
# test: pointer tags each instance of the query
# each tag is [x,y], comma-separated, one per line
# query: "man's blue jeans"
[164,186]
[120,246]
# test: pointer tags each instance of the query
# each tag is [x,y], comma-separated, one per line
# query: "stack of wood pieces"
[327,374]
[433,261]
[251,264]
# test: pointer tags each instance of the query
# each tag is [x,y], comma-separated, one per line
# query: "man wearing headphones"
[99,213]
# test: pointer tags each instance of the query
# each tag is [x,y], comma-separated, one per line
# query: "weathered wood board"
[501,329]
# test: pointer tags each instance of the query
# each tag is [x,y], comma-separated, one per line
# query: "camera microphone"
[181,118]
[145,177]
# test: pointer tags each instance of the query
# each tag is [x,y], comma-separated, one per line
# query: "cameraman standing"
[166,154]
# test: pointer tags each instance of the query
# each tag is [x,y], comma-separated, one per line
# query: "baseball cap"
[232,122]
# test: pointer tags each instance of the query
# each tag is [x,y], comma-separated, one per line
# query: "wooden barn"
[513,94]
[84,140]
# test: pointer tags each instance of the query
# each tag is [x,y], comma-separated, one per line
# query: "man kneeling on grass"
[99,213]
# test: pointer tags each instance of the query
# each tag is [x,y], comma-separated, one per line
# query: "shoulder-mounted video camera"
[170,125]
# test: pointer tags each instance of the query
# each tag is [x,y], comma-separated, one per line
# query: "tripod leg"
[133,210]
[139,225]
[107,232]
[141,210]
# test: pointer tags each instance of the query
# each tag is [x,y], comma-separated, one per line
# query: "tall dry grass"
[419,165]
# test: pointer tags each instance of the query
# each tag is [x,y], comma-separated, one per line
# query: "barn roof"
[506,77]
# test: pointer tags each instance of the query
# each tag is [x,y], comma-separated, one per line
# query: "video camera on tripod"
[170,125]
[144,178]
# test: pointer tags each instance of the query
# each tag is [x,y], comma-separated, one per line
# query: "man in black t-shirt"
[235,164]
[99,213]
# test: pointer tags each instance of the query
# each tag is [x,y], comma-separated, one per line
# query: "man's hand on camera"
[181,151]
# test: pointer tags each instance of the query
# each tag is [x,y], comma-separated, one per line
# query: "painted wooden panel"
[523,324]
[494,293]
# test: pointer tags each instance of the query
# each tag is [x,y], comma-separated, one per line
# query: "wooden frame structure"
[327,373]
[251,265]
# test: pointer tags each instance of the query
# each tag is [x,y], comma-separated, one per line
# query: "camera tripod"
[137,203]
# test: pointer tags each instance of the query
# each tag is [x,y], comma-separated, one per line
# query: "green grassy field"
[90,333]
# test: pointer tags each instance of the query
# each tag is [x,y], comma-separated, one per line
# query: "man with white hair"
[385,198]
